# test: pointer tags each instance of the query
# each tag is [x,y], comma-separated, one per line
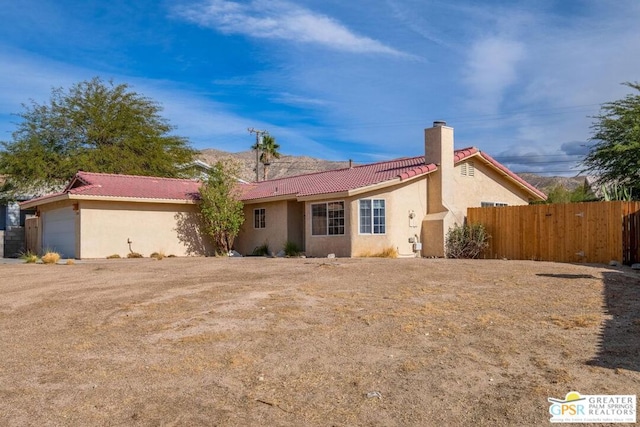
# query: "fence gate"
[31,227]
[595,232]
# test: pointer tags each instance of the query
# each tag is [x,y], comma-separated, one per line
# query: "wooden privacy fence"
[596,232]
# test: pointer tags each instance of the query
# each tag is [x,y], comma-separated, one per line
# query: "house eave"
[62,197]
[275,198]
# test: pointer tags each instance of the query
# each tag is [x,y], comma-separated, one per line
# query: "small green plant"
[29,257]
[291,249]
[616,192]
[262,250]
[466,241]
[134,255]
[50,257]
[158,255]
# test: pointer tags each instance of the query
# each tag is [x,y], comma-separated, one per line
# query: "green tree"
[560,194]
[220,206]
[615,156]
[95,127]
[269,151]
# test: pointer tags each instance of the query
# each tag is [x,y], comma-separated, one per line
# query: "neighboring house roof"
[339,180]
[88,185]
[356,178]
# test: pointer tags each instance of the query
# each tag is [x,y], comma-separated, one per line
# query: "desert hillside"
[299,165]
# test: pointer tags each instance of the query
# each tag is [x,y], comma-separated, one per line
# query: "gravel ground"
[313,342]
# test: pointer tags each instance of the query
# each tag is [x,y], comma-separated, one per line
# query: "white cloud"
[281,20]
[491,70]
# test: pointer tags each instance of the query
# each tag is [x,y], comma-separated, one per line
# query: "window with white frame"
[327,219]
[259,218]
[372,216]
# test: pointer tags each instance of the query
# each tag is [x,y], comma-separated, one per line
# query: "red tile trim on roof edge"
[463,153]
[420,170]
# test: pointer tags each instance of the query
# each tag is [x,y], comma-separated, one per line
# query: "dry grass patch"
[576,321]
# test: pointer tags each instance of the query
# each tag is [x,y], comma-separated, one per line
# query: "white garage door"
[59,231]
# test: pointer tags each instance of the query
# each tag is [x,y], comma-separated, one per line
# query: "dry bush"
[114,256]
[158,255]
[389,252]
[134,255]
[70,262]
[50,257]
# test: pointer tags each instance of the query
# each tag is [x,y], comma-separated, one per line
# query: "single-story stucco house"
[98,215]
[407,204]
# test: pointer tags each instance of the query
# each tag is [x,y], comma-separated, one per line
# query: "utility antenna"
[259,135]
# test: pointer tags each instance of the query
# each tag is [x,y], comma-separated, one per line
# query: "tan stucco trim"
[281,198]
[61,197]
[34,203]
[324,197]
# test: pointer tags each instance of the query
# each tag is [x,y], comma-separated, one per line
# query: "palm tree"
[269,148]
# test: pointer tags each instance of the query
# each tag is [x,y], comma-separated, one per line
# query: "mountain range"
[288,165]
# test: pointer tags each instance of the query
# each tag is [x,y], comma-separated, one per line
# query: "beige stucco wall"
[321,246]
[275,233]
[173,229]
[400,201]
[486,185]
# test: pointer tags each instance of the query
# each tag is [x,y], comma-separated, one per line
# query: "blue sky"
[340,80]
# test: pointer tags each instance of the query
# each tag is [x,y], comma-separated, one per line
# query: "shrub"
[51,257]
[114,256]
[70,262]
[291,249]
[29,257]
[466,241]
[261,250]
[134,255]
[157,255]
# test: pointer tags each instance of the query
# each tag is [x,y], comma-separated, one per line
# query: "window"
[372,216]
[492,204]
[259,218]
[327,219]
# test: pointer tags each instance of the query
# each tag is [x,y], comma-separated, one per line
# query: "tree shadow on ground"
[189,229]
[619,345]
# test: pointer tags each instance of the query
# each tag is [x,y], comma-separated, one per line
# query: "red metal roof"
[341,180]
[327,182]
[128,186]
[338,180]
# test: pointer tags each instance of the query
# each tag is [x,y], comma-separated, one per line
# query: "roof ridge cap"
[120,175]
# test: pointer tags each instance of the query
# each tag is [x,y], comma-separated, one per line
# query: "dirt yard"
[311,342]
